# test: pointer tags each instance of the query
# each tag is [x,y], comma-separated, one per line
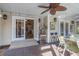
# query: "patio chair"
[75,38]
[52,37]
[66,42]
[62,44]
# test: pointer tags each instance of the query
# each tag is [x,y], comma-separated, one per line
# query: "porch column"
[36,29]
[0,30]
[48,30]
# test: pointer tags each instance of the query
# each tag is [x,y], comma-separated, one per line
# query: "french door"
[22,28]
[18,28]
[64,29]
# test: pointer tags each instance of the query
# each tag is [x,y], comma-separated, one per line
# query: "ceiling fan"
[53,7]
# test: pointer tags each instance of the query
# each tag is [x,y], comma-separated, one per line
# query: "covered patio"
[27,32]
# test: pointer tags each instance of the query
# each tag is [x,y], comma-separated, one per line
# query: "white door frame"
[14,27]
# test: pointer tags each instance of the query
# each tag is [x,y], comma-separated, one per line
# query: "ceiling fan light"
[52,12]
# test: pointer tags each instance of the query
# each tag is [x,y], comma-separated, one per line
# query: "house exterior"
[15,26]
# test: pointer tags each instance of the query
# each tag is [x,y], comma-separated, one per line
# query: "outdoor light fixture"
[72,22]
[4,16]
[55,19]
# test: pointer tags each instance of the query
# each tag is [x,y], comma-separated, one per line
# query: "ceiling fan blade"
[45,11]
[52,11]
[54,5]
[60,8]
[43,6]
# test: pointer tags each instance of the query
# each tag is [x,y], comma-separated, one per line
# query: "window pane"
[62,28]
[19,28]
[77,27]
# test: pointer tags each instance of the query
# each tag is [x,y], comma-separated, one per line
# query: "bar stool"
[56,36]
[52,37]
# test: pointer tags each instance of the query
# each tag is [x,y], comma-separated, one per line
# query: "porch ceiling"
[31,8]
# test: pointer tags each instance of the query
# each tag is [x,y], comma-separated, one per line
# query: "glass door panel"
[29,29]
[19,28]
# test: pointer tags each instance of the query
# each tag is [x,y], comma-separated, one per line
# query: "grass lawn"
[71,45]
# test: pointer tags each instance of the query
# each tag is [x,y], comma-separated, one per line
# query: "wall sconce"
[72,22]
[4,16]
[55,19]
[39,20]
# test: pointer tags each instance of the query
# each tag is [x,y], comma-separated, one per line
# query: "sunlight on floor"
[56,50]
[45,47]
[23,43]
[46,51]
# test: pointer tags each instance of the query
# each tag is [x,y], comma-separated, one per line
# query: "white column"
[36,30]
[1,37]
[69,27]
[48,30]
[64,28]
[59,26]
[13,28]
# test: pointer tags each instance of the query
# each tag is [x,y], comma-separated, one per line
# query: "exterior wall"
[6,29]
[43,21]
[50,18]
[57,26]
